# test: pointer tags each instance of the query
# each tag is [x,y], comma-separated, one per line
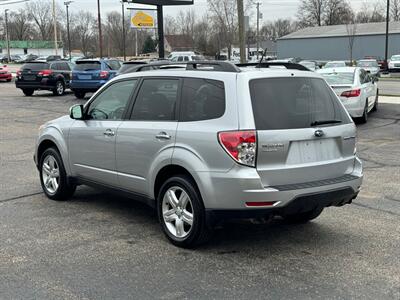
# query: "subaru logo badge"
[319,133]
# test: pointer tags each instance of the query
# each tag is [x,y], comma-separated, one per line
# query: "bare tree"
[20,25]
[395,10]
[41,14]
[224,18]
[277,29]
[338,12]
[351,29]
[82,33]
[371,12]
[113,32]
[311,12]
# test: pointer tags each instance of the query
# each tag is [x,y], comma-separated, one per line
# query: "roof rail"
[200,65]
[221,66]
[287,65]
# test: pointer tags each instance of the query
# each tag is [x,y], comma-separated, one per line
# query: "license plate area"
[29,77]
[85,77]
[312,151]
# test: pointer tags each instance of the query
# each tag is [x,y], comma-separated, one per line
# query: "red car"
[5,74]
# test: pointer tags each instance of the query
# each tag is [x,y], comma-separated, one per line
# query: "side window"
[113,64]
[54,67]
[367,78]
[156,100]
[202,99]
[112,102]
[180,58]
[186,58]
[64,66]
[362,76]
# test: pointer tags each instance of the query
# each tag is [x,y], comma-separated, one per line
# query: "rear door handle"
[163,136]
[109,132]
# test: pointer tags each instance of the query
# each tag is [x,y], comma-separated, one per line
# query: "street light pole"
[99,22]
[7,37]
[67,3]
[123,31]
[387,35]
[55,28]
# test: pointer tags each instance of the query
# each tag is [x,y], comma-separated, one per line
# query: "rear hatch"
[30,71]
[86,70]
[303,132]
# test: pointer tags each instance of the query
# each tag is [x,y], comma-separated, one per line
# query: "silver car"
[204,145]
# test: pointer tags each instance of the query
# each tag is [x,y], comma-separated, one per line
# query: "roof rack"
[200,65]
[287,65]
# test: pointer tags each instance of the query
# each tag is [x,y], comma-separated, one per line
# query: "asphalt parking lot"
[99,246]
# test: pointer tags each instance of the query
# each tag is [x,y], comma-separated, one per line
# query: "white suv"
[208,143]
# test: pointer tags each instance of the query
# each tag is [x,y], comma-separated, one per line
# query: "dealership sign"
[143,18]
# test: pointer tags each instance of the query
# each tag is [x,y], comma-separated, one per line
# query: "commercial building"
[40,48]
[334,42]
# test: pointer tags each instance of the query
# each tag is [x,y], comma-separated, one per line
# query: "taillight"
[104,74]
[45,73]
[240,145]
[352,93]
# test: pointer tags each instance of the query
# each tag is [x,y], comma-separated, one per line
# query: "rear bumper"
[227,194]
[86,85]
[5,76]
[302,203]
[354,106]
[44,84]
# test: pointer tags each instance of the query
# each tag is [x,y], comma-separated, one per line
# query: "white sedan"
[356,88]
[394,63]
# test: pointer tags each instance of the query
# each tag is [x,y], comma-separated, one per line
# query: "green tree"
[149,45]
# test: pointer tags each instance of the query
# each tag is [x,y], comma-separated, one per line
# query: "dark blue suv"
[90,74]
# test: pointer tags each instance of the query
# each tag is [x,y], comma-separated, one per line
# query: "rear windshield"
[289,103]
[35,66]
[338,78]
[129,67]
[87,66]
[335,65]
[364,64]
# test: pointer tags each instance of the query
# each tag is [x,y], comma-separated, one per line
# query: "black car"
[129,66]
[53,76]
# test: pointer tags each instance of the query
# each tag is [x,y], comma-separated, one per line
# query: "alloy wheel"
[60,88]
[50,174]
[177,212]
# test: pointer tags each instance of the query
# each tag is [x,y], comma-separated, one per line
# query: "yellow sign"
[143,18]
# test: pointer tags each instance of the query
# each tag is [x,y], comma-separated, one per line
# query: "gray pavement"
[389,87]
[100,246]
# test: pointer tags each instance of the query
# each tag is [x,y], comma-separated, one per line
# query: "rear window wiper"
[325,122]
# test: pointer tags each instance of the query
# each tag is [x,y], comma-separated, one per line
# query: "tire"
[59,89]
[9,80]
[375,108]
[53,177]
[28,92]
[304,217]
[364,118]
[192,229]
[80,95]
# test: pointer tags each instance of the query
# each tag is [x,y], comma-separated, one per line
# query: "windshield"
[395,57]
[287,103]
[338,78]
[87,66]
[335,64]
[365,64]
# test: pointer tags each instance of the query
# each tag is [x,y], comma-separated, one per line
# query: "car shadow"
[229,237]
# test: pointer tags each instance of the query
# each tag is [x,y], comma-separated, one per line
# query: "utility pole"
[7,37]
[99,24]
[160,18]
[123,31]
[55,28]
[258,27]
[241,31]
[387,35]
[67,3]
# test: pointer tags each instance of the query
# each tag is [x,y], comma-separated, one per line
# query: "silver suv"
[206,144]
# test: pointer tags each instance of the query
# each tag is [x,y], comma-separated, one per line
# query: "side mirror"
[76,112]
